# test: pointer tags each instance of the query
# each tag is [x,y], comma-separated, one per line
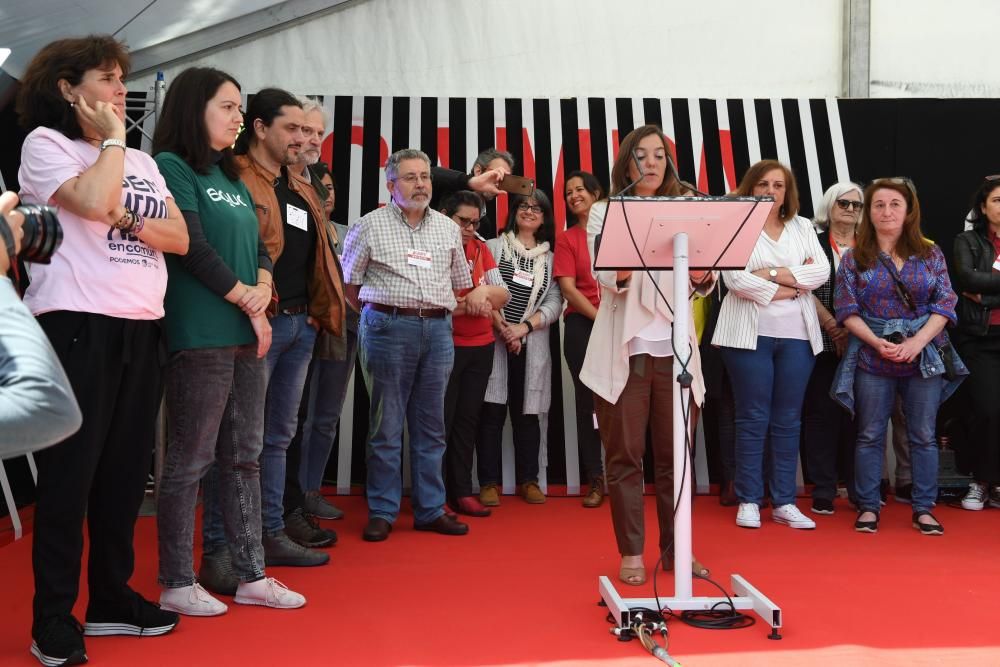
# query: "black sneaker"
[58,640]
[280,550]
[216,572]
[307,532]
[143,619]
[883,491]
[822,506]
[904,493]
[994,500]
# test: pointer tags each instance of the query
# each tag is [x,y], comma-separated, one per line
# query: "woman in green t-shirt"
[218,335]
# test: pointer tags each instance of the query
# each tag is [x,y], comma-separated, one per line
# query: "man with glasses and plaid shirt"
[403,265]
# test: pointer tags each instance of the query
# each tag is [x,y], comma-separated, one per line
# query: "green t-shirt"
[196,317]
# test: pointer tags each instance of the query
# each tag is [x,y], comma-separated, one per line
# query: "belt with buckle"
[412,312]
[295,310]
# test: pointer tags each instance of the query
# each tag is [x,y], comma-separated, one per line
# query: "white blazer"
[738,317]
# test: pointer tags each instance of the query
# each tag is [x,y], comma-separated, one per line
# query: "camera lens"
[42,234]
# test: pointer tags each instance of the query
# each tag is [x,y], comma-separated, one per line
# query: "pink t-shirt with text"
[97,269]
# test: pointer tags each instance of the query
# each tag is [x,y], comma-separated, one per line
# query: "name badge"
[523,278]
[296,217]
[421,258]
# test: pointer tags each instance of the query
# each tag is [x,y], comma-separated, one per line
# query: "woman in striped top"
[769,334]
[522,361]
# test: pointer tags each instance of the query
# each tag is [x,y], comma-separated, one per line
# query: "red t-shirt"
[572,260]
[469,331]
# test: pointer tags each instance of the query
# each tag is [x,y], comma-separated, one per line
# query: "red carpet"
[521,590]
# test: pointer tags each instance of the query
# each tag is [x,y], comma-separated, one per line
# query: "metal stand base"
[745,596]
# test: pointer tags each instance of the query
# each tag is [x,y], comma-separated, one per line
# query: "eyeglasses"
[410,179]
[465,222]
[898,180]
[533,208]
[844,204]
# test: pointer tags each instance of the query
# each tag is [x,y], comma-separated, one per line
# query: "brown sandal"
[633,576]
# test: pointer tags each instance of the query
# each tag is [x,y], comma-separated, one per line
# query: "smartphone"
[518,185]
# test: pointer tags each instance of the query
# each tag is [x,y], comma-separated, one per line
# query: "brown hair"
[790,208]
[619,172]
[40,102]
[911,241]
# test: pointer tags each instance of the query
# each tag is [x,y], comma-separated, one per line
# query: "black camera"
[896,337]
[42,234]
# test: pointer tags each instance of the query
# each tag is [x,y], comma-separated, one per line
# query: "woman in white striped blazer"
[769,335]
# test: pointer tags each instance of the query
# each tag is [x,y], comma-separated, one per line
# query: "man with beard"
[405,263]
[307,292]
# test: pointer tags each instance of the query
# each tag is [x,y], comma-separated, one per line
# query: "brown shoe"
[445,525]
[531,493]
[489,495]
[595,496]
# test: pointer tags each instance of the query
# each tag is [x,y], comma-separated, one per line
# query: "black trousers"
[578,328]
[828,433]
[115,367]
[719,419]
[463,401]
[982,356]
[527,433]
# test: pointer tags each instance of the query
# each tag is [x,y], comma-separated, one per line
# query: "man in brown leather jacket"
[307,296]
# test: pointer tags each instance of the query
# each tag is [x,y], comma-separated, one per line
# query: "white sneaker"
[191,601]
[748,516]
[792,517]
[975,499]
[268,592]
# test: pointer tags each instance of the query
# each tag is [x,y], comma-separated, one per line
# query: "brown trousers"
[645,403]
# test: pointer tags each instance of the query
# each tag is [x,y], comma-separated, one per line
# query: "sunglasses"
[990,179]
[898,180]
[844,204]
[466,222]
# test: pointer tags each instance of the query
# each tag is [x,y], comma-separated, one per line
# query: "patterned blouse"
[872,293]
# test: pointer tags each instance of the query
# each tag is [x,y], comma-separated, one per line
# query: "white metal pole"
[682,467]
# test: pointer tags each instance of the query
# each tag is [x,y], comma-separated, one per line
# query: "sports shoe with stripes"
[144,619]
[790,515]
[975,497]
[58,640]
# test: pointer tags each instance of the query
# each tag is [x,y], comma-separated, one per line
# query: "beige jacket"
[620,317]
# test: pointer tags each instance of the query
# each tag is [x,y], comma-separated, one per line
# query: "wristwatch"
[774,274]
[113,142]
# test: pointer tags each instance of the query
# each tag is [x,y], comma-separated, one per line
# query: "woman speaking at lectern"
[629,363]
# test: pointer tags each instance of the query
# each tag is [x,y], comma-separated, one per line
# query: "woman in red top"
[573,269]
[474,342]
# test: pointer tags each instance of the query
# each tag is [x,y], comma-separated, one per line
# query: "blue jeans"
[874,398]
[326,401]
[215,401]
[292,342]
[406,361]
[768,384]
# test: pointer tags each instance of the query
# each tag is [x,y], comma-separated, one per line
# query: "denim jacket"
[930,362]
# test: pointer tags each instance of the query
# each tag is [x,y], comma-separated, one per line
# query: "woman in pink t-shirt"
[573,269]
[100,302]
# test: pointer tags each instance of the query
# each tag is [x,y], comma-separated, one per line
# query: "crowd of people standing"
[211,274]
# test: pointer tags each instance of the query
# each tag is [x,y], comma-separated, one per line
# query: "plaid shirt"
[376,257]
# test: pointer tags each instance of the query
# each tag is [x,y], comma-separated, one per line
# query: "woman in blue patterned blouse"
[894,295]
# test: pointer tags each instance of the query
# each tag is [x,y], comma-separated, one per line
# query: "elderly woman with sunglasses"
[894,295]
[827,430]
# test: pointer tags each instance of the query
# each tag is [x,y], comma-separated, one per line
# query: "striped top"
[738,317]
[519,292]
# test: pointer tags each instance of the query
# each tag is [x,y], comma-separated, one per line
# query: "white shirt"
[781,318]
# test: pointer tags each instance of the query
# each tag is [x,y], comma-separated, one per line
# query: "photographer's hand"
[14,219]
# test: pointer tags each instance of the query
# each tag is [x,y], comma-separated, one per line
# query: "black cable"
[138,14]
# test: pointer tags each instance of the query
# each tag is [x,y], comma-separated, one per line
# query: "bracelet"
[107,143]
[137,227]
[528,324]
[263,282]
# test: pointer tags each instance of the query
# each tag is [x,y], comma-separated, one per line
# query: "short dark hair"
[488,155]
[461,198]
[547,232]
[180,127]
[266,106]
[40,102]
